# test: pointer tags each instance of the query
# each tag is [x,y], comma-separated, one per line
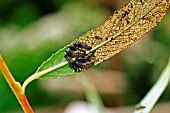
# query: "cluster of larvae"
[77,57]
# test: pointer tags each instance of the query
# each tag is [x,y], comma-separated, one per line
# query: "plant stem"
[148,102]
[90,92]
[16,87]
[39,74]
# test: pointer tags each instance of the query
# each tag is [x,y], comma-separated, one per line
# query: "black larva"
[82,45]
[85,58]
[76,53]
[69,59]
[86,65]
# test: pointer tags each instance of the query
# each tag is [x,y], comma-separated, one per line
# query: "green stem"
[156,91]
[39,74]
[91,93]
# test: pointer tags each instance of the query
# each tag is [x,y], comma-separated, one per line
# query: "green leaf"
[54,67]
[54,60]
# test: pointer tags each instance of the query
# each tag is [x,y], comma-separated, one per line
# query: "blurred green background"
[32,30]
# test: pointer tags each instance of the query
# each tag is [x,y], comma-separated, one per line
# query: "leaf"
[121,30]
[56,59]
[125,27]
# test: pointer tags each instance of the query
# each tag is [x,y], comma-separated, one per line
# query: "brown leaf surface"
[125,27]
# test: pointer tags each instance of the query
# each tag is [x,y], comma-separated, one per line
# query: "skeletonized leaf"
[121,30]
[125,27]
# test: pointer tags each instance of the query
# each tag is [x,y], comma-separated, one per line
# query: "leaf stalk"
[39,74]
